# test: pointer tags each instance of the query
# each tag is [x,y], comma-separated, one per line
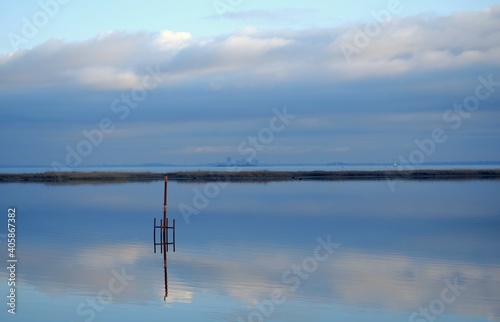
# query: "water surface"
[251,252]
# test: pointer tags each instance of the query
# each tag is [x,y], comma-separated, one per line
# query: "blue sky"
[80,20]
[216,72]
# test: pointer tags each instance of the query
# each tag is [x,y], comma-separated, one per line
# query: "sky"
[91,83]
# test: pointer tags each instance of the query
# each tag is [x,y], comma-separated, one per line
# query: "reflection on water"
[427,251]
[161,237]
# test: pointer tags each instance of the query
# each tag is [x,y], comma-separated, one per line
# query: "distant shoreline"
[251,176]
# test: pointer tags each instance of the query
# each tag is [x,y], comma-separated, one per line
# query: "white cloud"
[107,77]
[356,278]
[425,43]
[177,292]
[416,68]
[406,284]
[121,255]
[116,60]
[169,40]
[242,47]
[359,279]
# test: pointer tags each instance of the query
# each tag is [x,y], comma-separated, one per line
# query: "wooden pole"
[165,193]
[165,225]
[166,276]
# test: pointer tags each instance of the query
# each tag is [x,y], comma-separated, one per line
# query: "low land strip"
[250,176]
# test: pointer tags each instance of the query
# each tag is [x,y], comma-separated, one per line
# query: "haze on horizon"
[191,83]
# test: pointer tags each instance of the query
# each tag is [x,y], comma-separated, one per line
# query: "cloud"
[215,92]
[427,43]
[406,284]
[169,40]
[116,59]
[256,276]
[122,255]
[177,294]
[364,280]
[107,77]
[87,270]
[353,277]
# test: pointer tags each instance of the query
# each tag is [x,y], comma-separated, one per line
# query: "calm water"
[288,251]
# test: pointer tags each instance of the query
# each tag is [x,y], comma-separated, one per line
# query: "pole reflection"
[165,240]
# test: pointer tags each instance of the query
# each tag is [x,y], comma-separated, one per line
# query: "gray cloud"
[223,89]
[252,57]
[358,278]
